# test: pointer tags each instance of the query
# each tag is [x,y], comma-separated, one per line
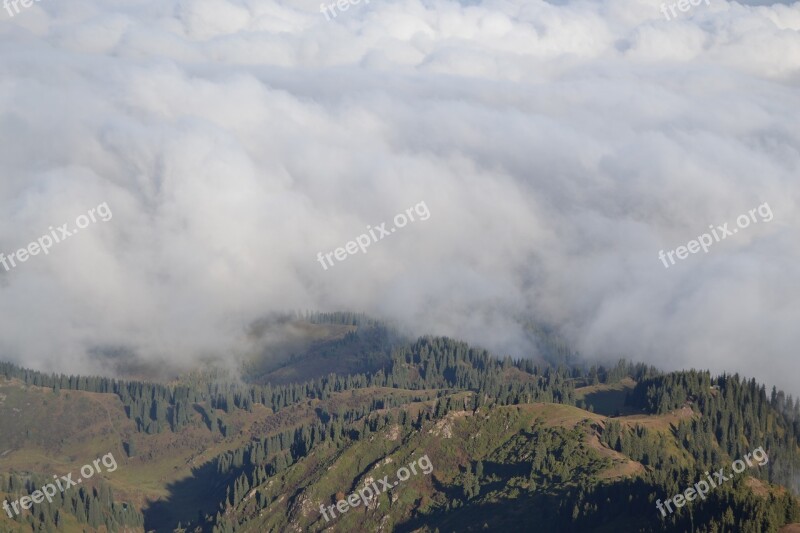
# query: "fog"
[559,147]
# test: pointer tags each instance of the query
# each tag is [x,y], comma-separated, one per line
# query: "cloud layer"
[558,145]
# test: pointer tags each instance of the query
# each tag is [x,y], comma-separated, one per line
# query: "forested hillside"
[514,444]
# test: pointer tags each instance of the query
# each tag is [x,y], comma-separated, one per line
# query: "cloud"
[558,145]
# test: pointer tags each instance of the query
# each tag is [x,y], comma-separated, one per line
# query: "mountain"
[406,435]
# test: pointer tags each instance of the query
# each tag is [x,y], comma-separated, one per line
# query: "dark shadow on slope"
[206,418]
[190,498]
[608,402]
[626,505]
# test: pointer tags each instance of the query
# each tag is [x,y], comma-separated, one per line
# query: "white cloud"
[558,145]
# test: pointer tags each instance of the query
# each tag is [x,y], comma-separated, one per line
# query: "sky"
[557,148]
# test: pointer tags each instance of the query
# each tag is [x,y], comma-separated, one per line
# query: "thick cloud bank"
[559,146]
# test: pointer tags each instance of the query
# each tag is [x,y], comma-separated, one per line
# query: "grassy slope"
[498,436]
[51,434]
[55,434]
